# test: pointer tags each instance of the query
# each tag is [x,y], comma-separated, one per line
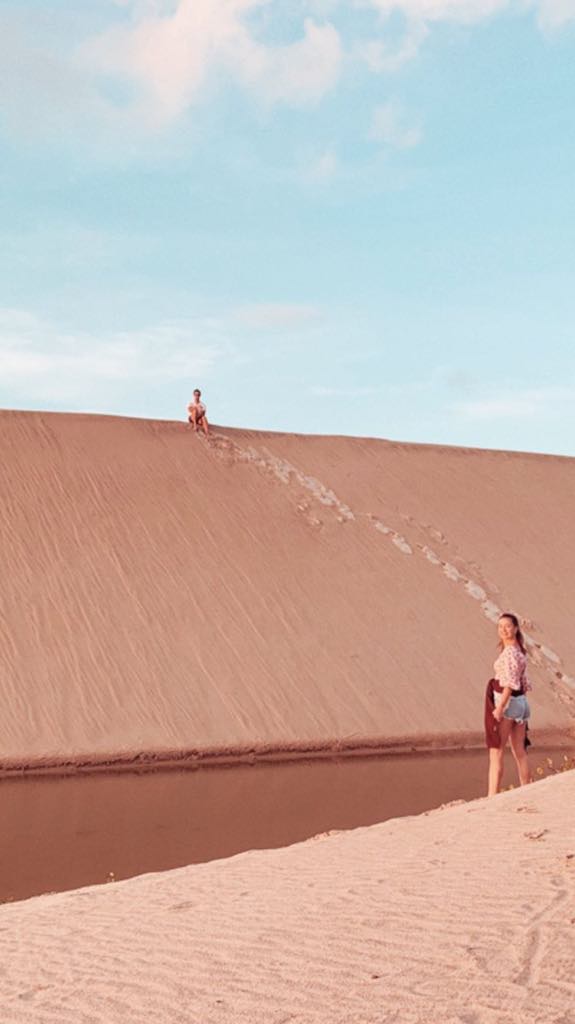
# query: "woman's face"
[507,631]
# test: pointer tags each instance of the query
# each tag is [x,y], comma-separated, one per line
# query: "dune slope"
[461,916]
[265,591]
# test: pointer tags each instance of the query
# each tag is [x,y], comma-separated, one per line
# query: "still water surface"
[66,832]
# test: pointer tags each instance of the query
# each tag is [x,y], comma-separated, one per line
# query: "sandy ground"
[465,914]
[161,593]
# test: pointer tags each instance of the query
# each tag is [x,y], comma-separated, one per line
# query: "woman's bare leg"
[496,755]
[519,753]
[495,770]
[205,424]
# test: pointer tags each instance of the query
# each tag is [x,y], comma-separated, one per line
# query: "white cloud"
[42,93]
[523,404]
[157,59]
[151,65]
[71,246]
[389,127]
[321,8]
[276,316]
[166,55]
[169,56]
[40,361]
[421,14]
[440,10]
[554,14]
[297,74]
[381,56]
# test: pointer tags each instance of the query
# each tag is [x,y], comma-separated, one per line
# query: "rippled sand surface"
[463,915]
[163,595]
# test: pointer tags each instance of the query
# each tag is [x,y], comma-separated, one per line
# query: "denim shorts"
[518,708]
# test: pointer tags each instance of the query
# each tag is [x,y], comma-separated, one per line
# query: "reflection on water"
[63,833]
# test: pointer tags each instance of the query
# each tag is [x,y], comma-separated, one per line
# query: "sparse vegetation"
[549,767]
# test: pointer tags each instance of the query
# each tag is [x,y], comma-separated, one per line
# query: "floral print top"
[510,668]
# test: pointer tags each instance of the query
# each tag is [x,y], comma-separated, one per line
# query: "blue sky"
[334,216]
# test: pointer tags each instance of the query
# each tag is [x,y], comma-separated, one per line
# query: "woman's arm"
[505,698]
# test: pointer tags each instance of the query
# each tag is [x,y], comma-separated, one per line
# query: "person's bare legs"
[496,755]
[205,424]
[495,770]
[519,753]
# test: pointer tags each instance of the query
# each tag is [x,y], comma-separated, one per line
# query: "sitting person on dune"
[197,413]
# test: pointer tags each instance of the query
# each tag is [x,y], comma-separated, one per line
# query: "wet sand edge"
[351,747]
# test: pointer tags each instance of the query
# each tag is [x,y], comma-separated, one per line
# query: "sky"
[333,216]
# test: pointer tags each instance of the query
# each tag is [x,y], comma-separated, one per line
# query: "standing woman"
[506,708]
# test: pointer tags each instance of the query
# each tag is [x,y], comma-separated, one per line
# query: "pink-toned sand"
[465,914]
[163,594]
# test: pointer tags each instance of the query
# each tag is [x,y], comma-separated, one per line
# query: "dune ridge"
[463,915]
[264,593]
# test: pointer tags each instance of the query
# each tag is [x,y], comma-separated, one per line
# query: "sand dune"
[265,591]
[463,915]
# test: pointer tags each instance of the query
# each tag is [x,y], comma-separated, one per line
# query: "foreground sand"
[465,914]
[267,591]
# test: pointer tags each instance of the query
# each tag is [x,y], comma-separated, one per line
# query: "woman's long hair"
[519,635]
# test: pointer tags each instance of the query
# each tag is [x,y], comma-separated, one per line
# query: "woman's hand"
[498,714]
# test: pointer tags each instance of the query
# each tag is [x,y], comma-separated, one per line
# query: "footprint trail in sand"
[288,474]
